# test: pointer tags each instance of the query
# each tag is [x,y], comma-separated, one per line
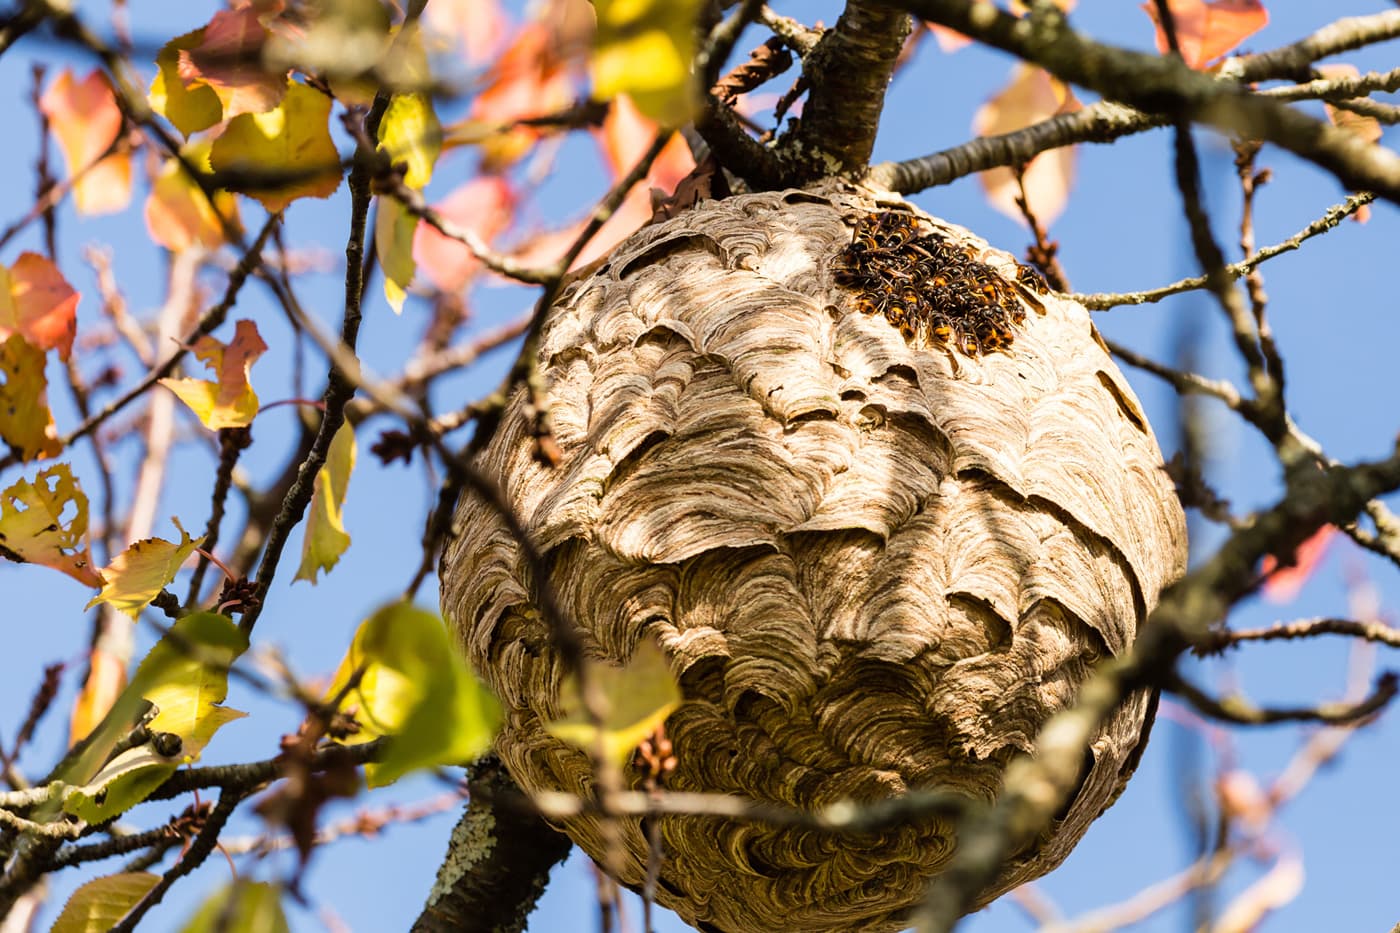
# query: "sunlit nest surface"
[875,561]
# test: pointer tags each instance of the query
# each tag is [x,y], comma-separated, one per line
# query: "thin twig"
[1241,712]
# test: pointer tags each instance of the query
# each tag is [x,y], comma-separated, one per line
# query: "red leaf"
[229,60]
[40,304]
[86,120]
[484,206]
[479,26]
[530,79]
[1284,583]
[625,137]
[1208,29]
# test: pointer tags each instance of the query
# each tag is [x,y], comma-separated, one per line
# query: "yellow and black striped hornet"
[932,289]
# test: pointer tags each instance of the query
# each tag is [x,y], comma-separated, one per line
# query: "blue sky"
[1333,309]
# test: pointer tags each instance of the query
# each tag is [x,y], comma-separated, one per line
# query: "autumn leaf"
[638,698]
[25,421]
[643,48]
[86,120]
[1033,95]
[483,205]
[1284,583]
[1367,128]
[105,681]
[37,301]
[181,682]
[530,79]
[291,142]
[325,537]
[478,26]
[228,60]
[229,401]
[241,907]
[102,902]
[341,39]
[1208,29]
[46,522]
[411,137]
[192,108]
[415,688]
[138,574]
[178,212]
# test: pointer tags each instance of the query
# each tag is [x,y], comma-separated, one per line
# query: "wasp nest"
[883,501]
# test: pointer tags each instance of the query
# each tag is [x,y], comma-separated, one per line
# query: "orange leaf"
[25,422]
[949,40]
[478,26]
[37,301]
[530,79]
[230,402]
[1285,582]
[229,60]
[105,682]
[179,213]
[46,522]
[482,205]
[1208,29]
[86,121]
[1033,95]
[627,134]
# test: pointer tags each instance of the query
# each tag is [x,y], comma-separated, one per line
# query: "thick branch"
[848,73]
[497,862]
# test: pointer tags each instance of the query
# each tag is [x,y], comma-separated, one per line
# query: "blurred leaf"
[98,905]
[483,205]
[25,421]
[479,26]
[1367,128]
[1284,583]
[417,689]
[640,695]
[1033,95]
[105,681]
[33,527]
[410,135]
[644,48]
[178,212]
[183,678]
[86,120]
[1208,29]
[343,38]
[1278,887]
[241,907]
[285,153]
[228,60]
[325,538]
[230,402]
[140,572]
[37,301]
[529,80]
[190,109]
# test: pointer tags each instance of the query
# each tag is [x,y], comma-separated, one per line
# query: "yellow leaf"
[25,422]
[178,212]
[1031,96]
[230,402]
[325,538]
[192,108]
[638,696]
[644,48]
[139,573]
[414,687]
[98,905]
[241,907]
[394,229]
[283,154]
[45,522]
[180,683]
[410,133]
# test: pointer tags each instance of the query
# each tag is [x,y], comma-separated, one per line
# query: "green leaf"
[639,696]
[326,538]
[184,677]
[241,907]
[644,48]
[139,573]
[283,154]
[410,135]
[394,227]
[190,109]
[98,905]
[417,689]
